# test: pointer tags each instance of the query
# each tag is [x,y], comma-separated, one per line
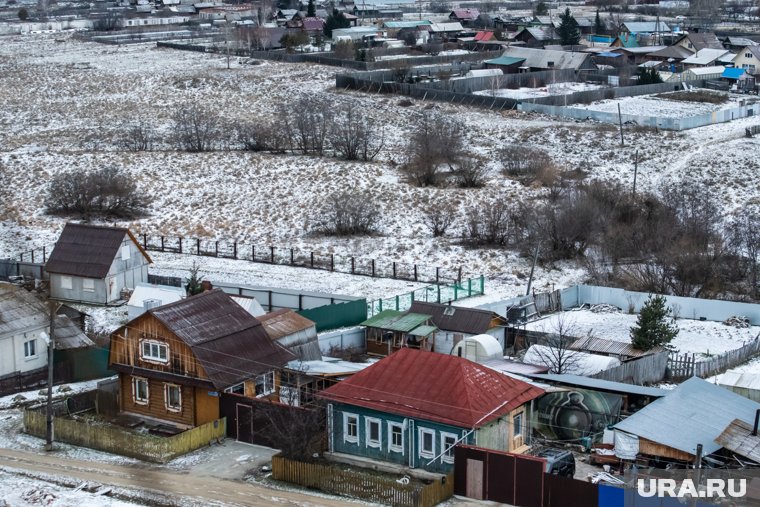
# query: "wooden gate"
[244,423]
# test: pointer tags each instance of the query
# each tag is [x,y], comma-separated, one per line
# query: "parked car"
[558,462]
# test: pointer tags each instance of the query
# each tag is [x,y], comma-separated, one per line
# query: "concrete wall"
[688,308]
[342,339]
[274,299]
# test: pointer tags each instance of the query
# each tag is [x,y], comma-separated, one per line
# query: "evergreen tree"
[193,283]
[541,9]
[568,30]
[335,20]
[311,10]
[598,26]
[655,325]
[649,76]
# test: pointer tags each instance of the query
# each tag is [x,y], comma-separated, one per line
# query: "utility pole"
[53,306]
[532,269]
[635,171]
[620,119]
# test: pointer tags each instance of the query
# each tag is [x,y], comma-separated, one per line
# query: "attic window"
[449,311]
[125,252]
[550,64]
[155,351]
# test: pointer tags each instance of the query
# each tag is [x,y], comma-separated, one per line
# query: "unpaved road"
[174,484]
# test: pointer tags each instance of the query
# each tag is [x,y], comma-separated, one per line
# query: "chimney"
[206,285]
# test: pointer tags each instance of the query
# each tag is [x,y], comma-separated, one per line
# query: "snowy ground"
[702,338]
[22,491]
[545,91]
[650,105]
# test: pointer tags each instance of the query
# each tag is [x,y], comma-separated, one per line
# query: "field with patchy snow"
[703,338]
[545,91]
[62,106]
[650,105]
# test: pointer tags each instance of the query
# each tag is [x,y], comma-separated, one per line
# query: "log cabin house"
[174,360]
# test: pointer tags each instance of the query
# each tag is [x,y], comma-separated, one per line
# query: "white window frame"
[67,283]
[425,431]
[169,407]
[235,388]
[517,429]
[33,355]
[391,446]
[444,436]
[154,358]
[268,383]
[368,421]
[352,439]
[88,285]
[135,391]
[125,253]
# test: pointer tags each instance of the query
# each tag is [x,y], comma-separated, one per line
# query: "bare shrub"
[261,136]
[138,136]
[438,217]
[349,214]
[471,172]
[196,129]
[528,165]
[490,223]
[436,143]
[307,123]
[344,50]
[355,136]
[106,192]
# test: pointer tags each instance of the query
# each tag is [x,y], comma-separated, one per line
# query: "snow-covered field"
[650,105]
[545,91]
[62,105]
[703,338]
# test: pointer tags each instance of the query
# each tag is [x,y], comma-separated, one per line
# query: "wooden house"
[455,323]
[294,332]
[92,264]
[410,409]
[392,330]
[174,360]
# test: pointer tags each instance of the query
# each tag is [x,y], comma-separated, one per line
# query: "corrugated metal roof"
[704,56]
[230,343]
[707,71]
[394,320]
[610,347]
[69,336]
[646,26]
[87,250]
[423,330]
[466,14]
[327,367]
[250,305]
[739,379]
[696,412]
[446,27]
[434,387]
[456,319]
[701,40]
[675,52]
[540,58]
[294,332]
[406,24]
[164,293]
[737,437]
[604,385]
[505,60]
[515,367]
[733,73]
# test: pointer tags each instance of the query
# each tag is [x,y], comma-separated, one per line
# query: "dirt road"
[174,484]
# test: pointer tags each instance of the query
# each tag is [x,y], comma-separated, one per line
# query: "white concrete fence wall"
[341,339]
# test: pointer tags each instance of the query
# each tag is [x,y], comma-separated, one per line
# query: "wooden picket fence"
[685,365]
[369,485]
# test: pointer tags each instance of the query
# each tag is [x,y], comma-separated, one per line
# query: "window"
[395,437]
[30,349]
[66,282]
[447,447]
[173,397]
[517,425]
[88,285]
[747,55]
[236,389]
[140,391]
[373,432]
[265,384]
[125,252]
[155,351]
[350,428]
[427,443]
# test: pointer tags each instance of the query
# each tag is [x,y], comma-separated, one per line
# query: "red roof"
[484,36]
[434,387]
[313,24]
[465,14]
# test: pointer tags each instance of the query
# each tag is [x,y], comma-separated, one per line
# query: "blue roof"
[505,60]
[696,412]
[610,54]
[733,73]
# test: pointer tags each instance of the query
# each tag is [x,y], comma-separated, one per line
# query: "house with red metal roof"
[411,408]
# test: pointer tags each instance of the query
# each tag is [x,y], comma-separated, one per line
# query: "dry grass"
[706,96]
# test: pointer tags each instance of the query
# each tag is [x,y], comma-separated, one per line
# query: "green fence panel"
[337,315]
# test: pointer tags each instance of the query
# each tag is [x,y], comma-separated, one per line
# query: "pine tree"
[568,31]
[655,325]
[598,26]
[541,9]
[193,283]
[311,10]
[334,21]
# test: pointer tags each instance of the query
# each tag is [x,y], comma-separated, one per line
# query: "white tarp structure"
[626,445]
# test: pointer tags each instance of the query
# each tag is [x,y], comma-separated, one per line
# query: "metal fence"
[240,250]
[432,293]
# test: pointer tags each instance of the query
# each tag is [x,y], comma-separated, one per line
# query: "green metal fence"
[432,293]
[337,315]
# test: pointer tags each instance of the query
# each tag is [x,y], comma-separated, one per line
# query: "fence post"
[32,255]
[271,254]
[438,299]
[469,287]
[216,249]
[456,287]
[373,268]
[353,265]
[332,262]
[253,253]
[436,278]
[145,241]
[459,275]
[162,243]
[180,244]
[312,259]
[198,246]
[482,284]
[234,249]
[44,255]
[415,272]
[397,305]
[394,271]
[292,261]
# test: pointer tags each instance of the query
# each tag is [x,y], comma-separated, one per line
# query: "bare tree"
[348,213]
[436,143]
[471,172]
[527,164]
[345,50]
[744,235]
[307,124]
[138,136]
[490,223]
[554,350]
[438,217]
[196,129]
[355,136]
[297,432]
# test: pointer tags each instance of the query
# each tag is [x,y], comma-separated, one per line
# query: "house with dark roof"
[410,409]
[456,323]
[175,360]
[748,58]
[294,332]
[465,16]
[537,36]
[92,264]
[695,41]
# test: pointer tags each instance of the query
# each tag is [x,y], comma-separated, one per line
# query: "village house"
[409,410]
[455,323]
[465,16]
[92,264]
[708,58]
[748,58]
[544,59]
[392,330]
[537,36]
[294,332]
[174,361]
[695,41]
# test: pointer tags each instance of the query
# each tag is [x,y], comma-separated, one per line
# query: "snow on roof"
[250,305]
[704,56]
[696,412]
[646,26]
[327,366]
[484,73]
[541,58]
[595,383]
[446,27]
[707,71]
[478,348]
[165,294]
[744,380]
[581,363]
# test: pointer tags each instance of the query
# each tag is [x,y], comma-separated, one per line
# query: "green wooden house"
[411,408]
[392,330]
